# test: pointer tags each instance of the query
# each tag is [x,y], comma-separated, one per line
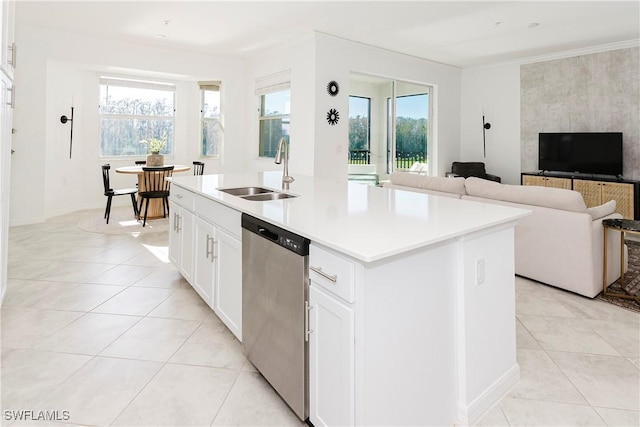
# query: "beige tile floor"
[103,327]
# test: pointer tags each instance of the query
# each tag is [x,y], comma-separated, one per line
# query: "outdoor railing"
[359,157]
[404,159]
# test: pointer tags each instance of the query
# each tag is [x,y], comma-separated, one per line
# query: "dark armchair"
[467,169]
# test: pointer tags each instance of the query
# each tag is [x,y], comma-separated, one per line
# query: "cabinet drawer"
[219,215]
[182,197]
[332,272]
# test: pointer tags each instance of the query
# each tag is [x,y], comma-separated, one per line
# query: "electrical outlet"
[480,271]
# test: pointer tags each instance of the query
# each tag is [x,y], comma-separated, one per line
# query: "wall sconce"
[485,126]
[64,119]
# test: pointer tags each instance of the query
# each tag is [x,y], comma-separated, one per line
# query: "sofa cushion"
[556,198]
[436,183]
[605,209]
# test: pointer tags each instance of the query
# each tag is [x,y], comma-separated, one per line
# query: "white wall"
[496,91]
[44,181]
[297,57]
[336,58]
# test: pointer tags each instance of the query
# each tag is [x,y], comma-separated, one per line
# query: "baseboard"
[26,221]
[491,396]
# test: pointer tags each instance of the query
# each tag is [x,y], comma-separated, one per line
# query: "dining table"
[155,205]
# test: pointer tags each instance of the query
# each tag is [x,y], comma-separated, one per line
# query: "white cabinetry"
[7,98]
[205,261]
[181,239]
[8,51]
[332,342]
[205,245]
[383,339]
[331,360]
[228,281]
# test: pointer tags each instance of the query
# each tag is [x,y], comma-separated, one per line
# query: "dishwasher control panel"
[289,243]
[279,236]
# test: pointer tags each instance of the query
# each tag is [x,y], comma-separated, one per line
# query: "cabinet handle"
[178,196]
[214,253]
[13,48]
[209,251]
[307,331]
[333,278]
[178,223]
[175,222]
[12,98]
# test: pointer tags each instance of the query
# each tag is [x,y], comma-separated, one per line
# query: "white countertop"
[365,222]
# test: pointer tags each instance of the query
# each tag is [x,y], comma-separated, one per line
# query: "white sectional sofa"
[560,243]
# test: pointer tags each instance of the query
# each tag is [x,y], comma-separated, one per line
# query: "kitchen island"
[412,295]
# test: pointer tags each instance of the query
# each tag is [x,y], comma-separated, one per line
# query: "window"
[275,110]
[359,130]
[132,111]
[411,115]
[212,134]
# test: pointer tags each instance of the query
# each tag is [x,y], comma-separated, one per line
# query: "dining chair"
[198,168]
[110,193]
[155,187]
[140,163]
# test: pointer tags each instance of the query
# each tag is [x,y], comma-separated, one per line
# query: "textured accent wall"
[591,93]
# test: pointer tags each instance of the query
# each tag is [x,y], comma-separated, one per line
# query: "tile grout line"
[154,375]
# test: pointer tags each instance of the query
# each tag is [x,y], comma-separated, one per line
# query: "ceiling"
[460,33]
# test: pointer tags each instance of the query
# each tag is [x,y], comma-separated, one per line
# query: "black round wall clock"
[333,88]
[333,116]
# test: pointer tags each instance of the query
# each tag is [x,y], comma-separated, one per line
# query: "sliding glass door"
[389,124]
[408,127]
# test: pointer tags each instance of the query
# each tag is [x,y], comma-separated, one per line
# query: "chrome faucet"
[283,147]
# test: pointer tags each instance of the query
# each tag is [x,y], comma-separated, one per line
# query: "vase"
[155,159]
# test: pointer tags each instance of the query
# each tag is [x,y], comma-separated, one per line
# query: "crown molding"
[565,54]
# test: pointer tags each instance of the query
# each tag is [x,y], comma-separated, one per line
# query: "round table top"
[138,169]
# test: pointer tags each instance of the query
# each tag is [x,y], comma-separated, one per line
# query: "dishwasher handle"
[268,234]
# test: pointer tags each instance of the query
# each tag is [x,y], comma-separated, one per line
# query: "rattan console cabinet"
[594,190]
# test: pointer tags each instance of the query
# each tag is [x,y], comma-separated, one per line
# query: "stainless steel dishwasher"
[275,277]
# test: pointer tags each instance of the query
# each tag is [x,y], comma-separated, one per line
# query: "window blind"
[210,85]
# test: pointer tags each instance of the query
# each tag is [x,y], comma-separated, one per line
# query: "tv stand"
[595,190]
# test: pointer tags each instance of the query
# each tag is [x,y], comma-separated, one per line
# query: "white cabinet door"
[331,360]
[228,295]
[185,229]
[181,239]
[175,255]
[8,51]
[205,260]
[5,175]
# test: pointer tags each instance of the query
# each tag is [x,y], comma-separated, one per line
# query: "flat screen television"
[591,153]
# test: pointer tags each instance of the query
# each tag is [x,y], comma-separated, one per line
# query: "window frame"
[263,118]
[136,83]
[204,87]
[392,132]
[368,126]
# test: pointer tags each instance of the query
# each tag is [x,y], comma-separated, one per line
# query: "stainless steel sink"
[245,191]
[268,196]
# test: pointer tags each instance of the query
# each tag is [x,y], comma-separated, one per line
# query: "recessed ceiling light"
[161,36]
[534,25]
[497,23]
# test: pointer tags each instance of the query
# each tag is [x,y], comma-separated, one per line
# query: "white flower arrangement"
[155,145]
